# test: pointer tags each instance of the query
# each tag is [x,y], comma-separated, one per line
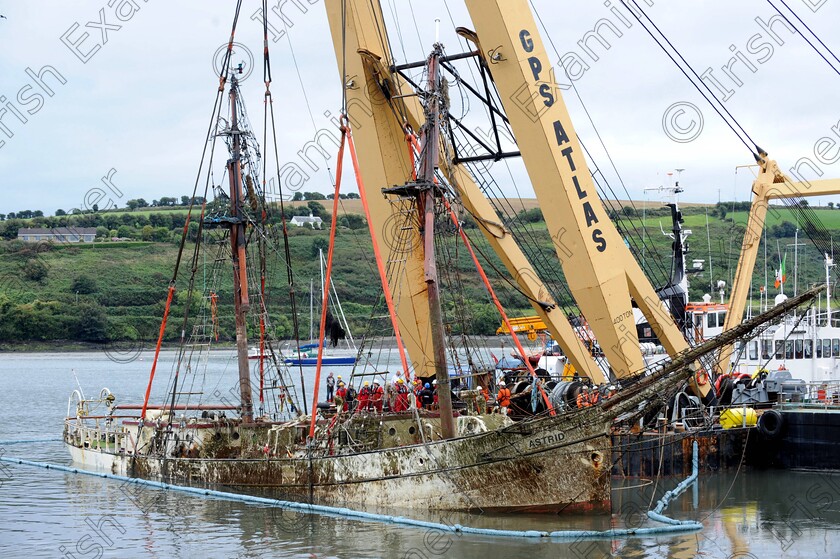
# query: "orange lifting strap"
[414,144]
[347,138]
[157,352]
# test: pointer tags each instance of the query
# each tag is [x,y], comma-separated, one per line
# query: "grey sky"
[141,102]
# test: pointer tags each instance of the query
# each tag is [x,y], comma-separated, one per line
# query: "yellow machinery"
[523,324]
[603,276]
[770,184]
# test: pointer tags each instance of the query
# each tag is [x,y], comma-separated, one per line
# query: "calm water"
[50,514]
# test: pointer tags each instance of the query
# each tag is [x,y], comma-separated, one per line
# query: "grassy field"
[132,278]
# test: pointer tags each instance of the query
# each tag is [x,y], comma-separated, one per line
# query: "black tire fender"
[770,424]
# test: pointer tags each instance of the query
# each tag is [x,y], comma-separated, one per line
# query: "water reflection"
[754,514]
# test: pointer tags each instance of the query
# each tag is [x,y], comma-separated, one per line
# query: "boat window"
[766,349]
[809,349]
[826,348]
[788,349]
[819,348]
[711,320]
[698,320]
[753,350]
[835,347]
[780,349]
[721,318]
[797,344]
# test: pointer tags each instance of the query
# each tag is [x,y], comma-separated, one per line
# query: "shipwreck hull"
[549,464]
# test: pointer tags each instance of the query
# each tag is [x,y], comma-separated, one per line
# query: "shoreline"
[142,346]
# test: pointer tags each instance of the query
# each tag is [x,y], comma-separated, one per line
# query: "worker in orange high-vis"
[364,398]
[503,398]
[401,403]
[583,398]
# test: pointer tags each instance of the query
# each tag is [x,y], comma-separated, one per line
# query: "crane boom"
[770,184]
[601,272]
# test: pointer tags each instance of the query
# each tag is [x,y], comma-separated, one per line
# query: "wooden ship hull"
[546,464]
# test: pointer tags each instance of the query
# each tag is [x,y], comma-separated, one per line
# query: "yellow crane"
[381,109]
[770,184]
[602,274]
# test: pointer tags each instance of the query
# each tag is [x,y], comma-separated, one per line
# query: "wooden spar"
[237,245]
[426,204]
[680,364]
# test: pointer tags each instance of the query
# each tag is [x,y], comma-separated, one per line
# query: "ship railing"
[820,393]
[96,432]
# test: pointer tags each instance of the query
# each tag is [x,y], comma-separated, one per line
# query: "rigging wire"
[269,111]
[713,101]
[812,45]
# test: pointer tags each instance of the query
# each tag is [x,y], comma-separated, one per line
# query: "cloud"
[142,103]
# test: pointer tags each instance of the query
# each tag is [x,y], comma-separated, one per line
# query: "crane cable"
[618,218]
[710,98]
[812,45]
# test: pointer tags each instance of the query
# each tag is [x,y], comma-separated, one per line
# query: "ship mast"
[425,192]
[237,245]
[426,203]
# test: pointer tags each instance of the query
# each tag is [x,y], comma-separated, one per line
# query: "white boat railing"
[101,434]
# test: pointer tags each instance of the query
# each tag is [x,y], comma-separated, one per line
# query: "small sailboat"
[339,331]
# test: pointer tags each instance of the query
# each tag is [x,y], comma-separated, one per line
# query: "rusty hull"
[540,465]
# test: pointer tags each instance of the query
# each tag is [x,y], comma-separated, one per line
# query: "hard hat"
[399,380]
[376,382]
[341,384]
[478,388]
[428,385]
[502,383]
[367,383]
[339,376]
[434,381]
[612,387]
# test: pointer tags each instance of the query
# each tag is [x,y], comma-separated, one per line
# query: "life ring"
[770,424]
[719,381]
[701,377]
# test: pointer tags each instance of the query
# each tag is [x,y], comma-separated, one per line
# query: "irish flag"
[781,275]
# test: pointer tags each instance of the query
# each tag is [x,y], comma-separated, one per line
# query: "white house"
[301,220]
[59,235]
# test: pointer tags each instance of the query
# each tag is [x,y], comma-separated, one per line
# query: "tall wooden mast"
[427,193]
[237,245]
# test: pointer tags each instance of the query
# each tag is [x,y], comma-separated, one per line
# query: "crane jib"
[562,137]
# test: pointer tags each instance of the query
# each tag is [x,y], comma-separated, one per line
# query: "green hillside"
[115,291]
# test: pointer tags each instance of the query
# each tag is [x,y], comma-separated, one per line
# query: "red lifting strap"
[327,274]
